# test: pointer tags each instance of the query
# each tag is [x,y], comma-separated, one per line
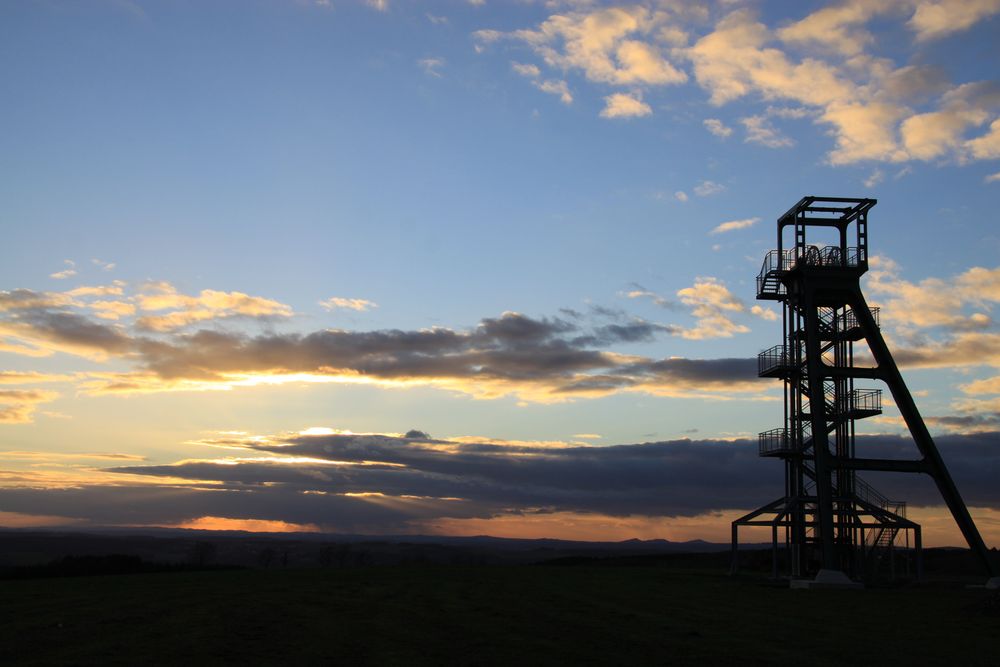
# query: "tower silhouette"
[834,524]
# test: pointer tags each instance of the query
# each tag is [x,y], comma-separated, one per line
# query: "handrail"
[776,262]
[857,400]
[848,320]
[786,260]
[867,492]
[778,356]
[867,400]
[775,440]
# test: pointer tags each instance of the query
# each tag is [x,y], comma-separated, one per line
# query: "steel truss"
[829,518]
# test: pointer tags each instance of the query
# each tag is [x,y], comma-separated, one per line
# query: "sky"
[469,266]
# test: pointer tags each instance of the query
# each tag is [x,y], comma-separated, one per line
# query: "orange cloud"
[248,525]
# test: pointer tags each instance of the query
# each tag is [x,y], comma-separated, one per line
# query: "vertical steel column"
[820,446]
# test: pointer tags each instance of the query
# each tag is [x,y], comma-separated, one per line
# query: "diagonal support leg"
[918,430]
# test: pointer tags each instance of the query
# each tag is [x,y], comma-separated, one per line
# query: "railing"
[777,262]
[858,400]
[848,320]
[866,492]
[774,358]
[774,441]
[866,400]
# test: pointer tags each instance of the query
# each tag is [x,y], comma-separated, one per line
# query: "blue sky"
[512,216]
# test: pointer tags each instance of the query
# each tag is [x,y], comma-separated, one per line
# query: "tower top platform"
[825,211]
[838,213]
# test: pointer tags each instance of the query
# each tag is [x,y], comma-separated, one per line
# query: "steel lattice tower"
[834,524]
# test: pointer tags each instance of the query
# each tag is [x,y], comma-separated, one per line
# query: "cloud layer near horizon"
[386,484]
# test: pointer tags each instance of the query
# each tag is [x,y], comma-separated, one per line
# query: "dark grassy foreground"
[472,615]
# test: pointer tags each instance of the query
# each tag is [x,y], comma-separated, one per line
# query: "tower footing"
[827,579]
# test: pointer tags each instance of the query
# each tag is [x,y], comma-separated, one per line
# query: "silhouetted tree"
[326,555]
[203,553]
[341,554]
[266,557]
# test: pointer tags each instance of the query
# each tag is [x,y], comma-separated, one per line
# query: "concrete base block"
[827,579]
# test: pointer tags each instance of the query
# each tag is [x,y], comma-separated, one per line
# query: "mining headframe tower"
[834,527]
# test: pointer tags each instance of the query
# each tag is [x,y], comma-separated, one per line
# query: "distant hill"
[22,547]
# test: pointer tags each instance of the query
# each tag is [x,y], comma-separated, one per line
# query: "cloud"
[826,64]
[248,525]
[115,289]
[837,28]
[387,484]
[717,127]
[764,313]
[18,405]
[955,351]
[103,266]
[68,272]
[41,322]
[640,292]
[942,133]
[112,310]
[992,178]
[533,359]
[337,302]
[555,87]
[939,18]
[876,177]
[378,5]
[734,61]
[49,457]
[470,476]
[23,300]
[761,131]
[864,132]
[840,27]
[936,302]
[432,66]
[711,302]
[681,196]
[603,45]
[31,377]
[551,86]
[541,360]
[733,225]
[987,146]
[208,305]
[709,188]
[621,105]
[526,69]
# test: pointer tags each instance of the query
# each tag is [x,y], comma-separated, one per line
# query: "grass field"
[502,615]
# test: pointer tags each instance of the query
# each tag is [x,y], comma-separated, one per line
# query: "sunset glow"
[464,268]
